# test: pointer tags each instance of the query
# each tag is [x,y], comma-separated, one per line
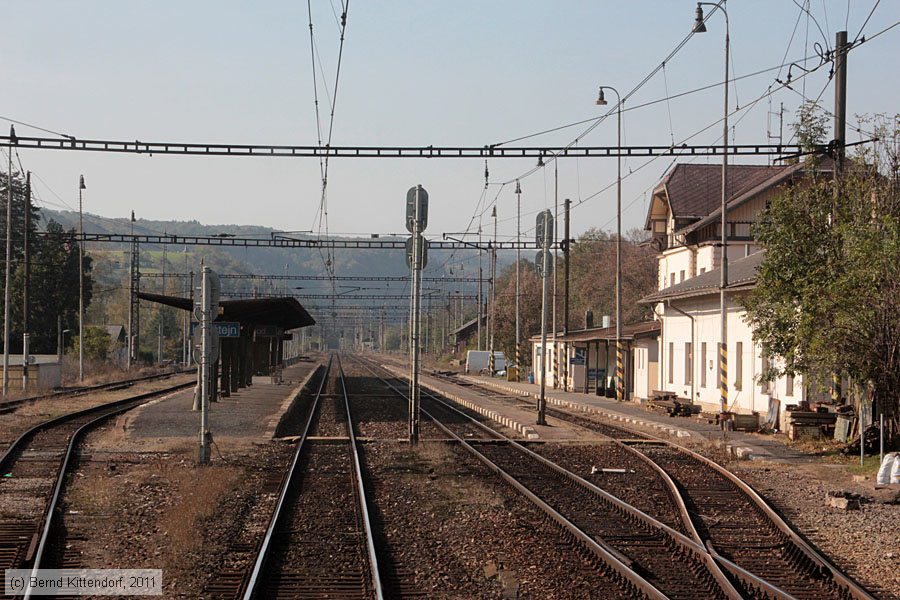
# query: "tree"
[593,277]
[827,297]
[97,343]
[53,282]
[529,309]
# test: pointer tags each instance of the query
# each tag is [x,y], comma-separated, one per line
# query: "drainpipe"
[693,346]
[661,360]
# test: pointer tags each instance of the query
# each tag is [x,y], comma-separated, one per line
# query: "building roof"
[116,332]
[469,327]
[741,276]
[285,312]
[777,178]
[695,191]
[593,334]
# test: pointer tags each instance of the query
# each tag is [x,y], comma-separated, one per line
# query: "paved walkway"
[251,413]
[743,445]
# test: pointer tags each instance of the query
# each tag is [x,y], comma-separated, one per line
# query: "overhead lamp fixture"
[601,99]
[540,161]
[699,25]
[494,212]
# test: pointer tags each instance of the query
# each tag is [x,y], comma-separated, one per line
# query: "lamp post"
[620,358]
[700,27]
[518,260]
[81,188]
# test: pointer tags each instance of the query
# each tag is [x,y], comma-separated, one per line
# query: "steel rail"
[72,143]
[361,492]
[750,581]
[119,407]
[249,591]
[608,556]
[5,458]
[9,405]
[254,581]
[854,588]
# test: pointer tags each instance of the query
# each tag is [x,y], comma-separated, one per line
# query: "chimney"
[588,319]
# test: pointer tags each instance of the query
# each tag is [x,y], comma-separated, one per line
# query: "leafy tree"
[827,297]
[592,277]
[97,343]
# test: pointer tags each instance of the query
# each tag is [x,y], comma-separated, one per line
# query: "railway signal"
[416,256]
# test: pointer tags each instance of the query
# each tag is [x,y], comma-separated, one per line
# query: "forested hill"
[307,261]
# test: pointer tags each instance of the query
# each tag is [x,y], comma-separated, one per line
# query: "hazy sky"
[414,73]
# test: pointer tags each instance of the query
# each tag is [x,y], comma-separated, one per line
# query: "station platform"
[247,416]
[742,445]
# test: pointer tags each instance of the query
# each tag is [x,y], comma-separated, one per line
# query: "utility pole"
[208,305]
[840,131]
[493,311]
[81,188]
[544,233]
[567,204]
[160,315]
[9,195]
[26,275]
[518,291]
[480,294]
[555,278]
[134,305]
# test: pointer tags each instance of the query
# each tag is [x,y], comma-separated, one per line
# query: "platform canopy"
[286,313]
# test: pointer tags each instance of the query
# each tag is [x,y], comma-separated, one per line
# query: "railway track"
[34,469]
[728,517]
[319,541]
[640,554]
[8,406]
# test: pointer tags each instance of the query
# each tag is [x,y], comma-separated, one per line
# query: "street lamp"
[700,27]
[81,188]
[518,261]
[620,359]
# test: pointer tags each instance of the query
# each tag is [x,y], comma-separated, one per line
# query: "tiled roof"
[741,275]
[695,191]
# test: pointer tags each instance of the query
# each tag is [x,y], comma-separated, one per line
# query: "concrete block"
[843,503]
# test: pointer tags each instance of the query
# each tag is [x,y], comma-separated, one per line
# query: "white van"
[479,360]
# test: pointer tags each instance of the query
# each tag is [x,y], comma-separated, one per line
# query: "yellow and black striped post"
[555,365]
[723,376]
[491,361]
[518,361]
[835,387]
[620,372]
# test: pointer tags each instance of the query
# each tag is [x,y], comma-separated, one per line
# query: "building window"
[739,366]
[681,276]
[789,385]
[703,364]
[671,279]
[702,270]
[671,362]
[688,363]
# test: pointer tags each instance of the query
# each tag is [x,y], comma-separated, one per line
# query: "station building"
[676,353]
[684,219]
